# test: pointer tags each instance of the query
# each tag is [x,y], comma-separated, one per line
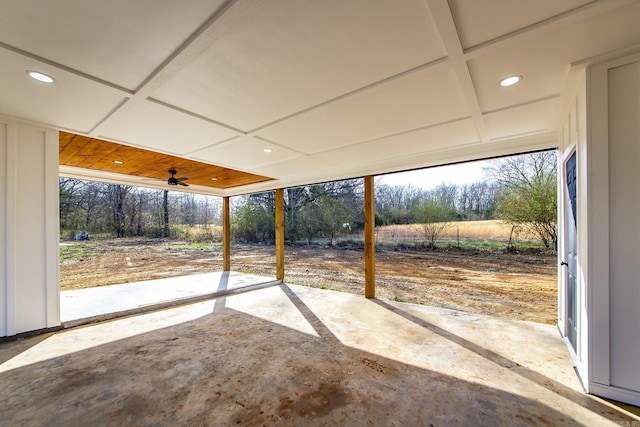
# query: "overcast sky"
[463,173]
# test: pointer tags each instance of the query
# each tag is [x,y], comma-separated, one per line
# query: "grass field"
[490,234]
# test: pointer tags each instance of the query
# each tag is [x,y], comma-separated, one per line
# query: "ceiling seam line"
[161,73]
[391,135]
[129,144]
[215,144]
[186,43]
[338,98]
[532,133]
[522,104]
[105,118]
[478,49]
[259,138]
[195,115]
[446,27]
[420,153]
[627,50]
[66,68]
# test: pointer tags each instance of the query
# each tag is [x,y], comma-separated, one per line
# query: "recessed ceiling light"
[214,179]
[267,150]
[41,77]
[118,162]
[510,81]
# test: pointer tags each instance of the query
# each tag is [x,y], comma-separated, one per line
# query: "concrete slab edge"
[166,304]
[29,334]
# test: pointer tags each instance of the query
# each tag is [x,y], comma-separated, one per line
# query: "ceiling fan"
[176,181]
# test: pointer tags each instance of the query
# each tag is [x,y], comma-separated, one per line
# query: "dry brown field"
[492,229]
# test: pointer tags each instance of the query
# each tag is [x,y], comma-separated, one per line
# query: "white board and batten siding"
[613,297]
[29,218]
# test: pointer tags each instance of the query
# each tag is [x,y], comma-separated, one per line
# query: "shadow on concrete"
[504,362]
[229,367]
[263,373]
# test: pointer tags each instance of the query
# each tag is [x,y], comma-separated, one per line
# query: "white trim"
[11,238]
[597,297]
[581,131]
[570,148]
[52,227]
[615,393]
[4,131]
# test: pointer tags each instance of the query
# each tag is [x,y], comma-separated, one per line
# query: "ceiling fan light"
[41,77]
[510,81]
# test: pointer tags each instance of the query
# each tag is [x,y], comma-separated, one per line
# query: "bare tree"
[528,199]
[434,215]
[117,194]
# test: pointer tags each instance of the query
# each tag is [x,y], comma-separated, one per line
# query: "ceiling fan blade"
[182,179]
[182,183]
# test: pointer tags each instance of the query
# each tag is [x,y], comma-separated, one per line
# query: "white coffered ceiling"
[336,88]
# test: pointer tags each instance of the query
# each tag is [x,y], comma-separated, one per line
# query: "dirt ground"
[510,285]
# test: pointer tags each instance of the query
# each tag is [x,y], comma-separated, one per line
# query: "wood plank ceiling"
[95,154]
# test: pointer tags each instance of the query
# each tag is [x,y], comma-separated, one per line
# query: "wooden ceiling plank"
[65,139]
[71,149]
[95,154]
[94,150]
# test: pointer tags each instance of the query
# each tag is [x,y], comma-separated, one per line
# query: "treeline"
[336,208]
[520,190]
[125,211]
[467,202]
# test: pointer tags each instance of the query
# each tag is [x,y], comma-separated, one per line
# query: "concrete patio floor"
[291,355]
[81,306]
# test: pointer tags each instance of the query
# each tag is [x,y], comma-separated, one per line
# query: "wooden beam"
[280,234]
[369,239]
[226,235]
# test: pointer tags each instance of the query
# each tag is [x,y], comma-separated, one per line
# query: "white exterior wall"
[29,216]
[624,230]
[613,237]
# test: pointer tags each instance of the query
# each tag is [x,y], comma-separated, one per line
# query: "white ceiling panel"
[245,153]
[339,88]
[407,144]
[61,104]
[478,21]
[545,69]
[120,41]
[523,120]
[543,75]
[156,127]
[295,54]
[301,165]
[421,99]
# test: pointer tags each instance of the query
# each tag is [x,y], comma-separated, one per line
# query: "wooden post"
[226,235]
[280,234]
[369,239]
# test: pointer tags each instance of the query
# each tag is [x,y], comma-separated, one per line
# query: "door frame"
[564,208]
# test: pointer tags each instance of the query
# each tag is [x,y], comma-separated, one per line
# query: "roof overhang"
[333,89]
